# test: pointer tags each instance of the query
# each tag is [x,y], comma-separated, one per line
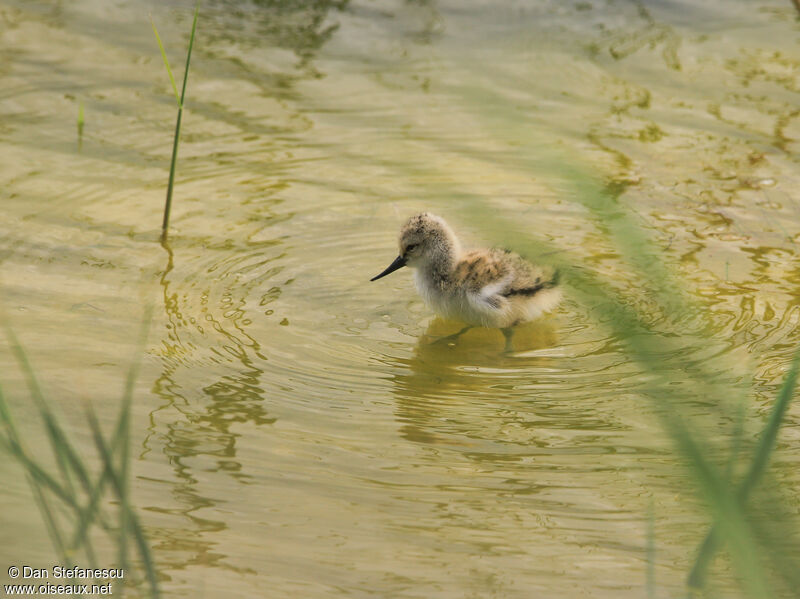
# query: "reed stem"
[180,100]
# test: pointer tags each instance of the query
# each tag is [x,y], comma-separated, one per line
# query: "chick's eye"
[411,247]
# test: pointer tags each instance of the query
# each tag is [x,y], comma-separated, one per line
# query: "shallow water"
[296,431]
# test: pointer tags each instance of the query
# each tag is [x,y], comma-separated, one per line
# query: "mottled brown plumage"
[488,287]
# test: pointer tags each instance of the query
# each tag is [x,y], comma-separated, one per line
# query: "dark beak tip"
[399,262]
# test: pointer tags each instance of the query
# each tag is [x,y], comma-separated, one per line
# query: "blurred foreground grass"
[760,535]
[73,497]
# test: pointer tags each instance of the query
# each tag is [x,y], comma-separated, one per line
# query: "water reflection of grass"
[70,496]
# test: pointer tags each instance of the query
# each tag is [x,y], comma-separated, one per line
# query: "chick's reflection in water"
[451,380]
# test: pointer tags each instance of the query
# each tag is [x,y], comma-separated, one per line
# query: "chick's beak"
[399,262]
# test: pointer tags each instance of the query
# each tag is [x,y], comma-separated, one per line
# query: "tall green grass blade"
[176,137]
[766,443]
[38,477]
[121,491]
[66,457]
[87,514]
[711,543]
[708,548]
[14,440]
[757,468]
[171,182]
[189,52]
[735,528]
[166,62]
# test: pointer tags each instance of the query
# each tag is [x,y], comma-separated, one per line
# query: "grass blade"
[120,437]
[121,491]
[736,529]
[40,474]
[176,138]
[166,62]
[65,456]
[68,462]
[767,442]
[757,468]
[37,477]
[189,53]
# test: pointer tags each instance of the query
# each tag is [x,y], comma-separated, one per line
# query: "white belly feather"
[486,308]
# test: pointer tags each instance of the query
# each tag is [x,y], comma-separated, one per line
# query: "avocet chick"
[487,288]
